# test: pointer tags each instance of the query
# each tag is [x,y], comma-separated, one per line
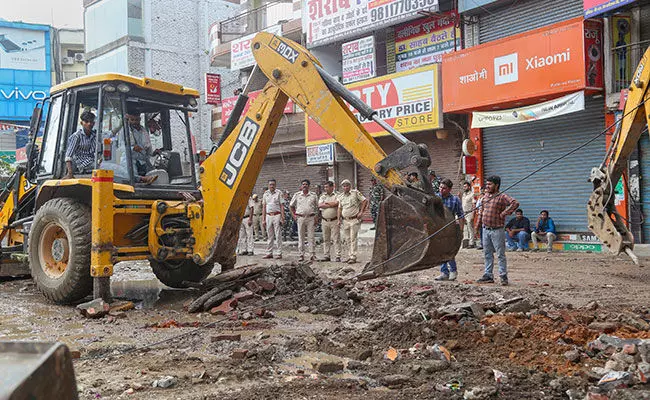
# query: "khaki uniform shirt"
[329,213]
[350,204]
[468,201]
[305,204]
[257,206]
[272,201]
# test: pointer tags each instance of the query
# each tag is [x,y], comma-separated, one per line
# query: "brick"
[629,349]
[75,354]
[122,306]
[266,285]
[253,287]
[226,338]
[239,354]
[224,308]
[243,296]
[94,309]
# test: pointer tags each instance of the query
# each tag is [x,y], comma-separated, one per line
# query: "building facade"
[25,79]
[538,79]
[162,39]
[68,54]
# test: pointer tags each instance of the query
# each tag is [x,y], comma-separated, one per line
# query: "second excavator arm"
[604,220]
[407,217]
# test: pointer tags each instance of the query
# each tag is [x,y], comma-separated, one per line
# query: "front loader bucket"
[402,242]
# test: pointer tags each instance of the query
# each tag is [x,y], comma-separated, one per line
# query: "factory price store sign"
[359,59]
[326,21]
[424,41]
[408,101]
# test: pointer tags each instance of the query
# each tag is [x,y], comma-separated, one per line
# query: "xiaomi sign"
[528,66]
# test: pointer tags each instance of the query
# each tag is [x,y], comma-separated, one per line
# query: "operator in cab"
[141,150]
[80,154]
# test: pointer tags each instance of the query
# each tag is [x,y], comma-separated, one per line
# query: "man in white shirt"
[273,219]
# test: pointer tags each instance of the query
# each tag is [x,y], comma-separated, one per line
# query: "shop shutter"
[644,183]
[522,16]
[514,151]
[288,171]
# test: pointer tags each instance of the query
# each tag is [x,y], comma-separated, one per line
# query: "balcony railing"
[625,58]
[255,20]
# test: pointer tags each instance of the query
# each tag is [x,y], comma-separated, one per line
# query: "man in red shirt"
[495,207]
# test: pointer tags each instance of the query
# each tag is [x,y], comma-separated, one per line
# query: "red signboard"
[229,104]
[521,69]
[594,53]
[212,88]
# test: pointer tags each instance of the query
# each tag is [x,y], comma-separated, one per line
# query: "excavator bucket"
[414,231]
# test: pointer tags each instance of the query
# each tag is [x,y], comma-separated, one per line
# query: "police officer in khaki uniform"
[272,220]
[246,243]
[256,203]
[304,207]
[352,204]
[329,204]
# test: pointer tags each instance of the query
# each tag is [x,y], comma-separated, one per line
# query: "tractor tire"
[59,250]
[174,272]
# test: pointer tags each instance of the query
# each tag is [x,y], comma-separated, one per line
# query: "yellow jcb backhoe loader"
[72,231]
[604,220]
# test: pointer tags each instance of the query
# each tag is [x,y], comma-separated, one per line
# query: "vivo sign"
[18,94]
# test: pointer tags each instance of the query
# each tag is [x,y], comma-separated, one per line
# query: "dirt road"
[335,341]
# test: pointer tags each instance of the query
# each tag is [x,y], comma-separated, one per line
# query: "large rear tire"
[59,250]
[174,272]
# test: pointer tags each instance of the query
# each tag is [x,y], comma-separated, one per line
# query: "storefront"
[532,98]
[410,102]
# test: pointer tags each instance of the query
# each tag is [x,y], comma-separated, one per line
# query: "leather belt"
[330,219]
[302,215]
[258,215]
[273,213]
[489,228]
[349,218]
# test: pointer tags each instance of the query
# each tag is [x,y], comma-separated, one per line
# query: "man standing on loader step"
[352,204]
[304,208]
[329,204]
[495,207]
[80,154]
[273,219]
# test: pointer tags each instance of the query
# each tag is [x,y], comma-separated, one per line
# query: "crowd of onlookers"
[278,216]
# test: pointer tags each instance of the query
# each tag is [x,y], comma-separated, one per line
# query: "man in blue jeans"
[495,206]
[448,269]
[518,232]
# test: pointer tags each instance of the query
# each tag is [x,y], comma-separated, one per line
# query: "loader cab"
[141,129]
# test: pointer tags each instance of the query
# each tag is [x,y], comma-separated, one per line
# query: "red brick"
[243,296]
[239,354]
[225,307]
[226,338]
[266,285]
[253,287]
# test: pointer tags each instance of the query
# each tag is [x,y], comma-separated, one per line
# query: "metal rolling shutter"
[516,150]
[524,16]
[644,23]
[644,183]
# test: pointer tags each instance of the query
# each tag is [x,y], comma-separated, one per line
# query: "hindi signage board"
[359,59]
[424,41]
[326,21]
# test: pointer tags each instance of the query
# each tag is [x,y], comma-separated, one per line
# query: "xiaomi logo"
[506,69]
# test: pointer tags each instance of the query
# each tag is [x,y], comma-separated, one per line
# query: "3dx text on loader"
[73,231]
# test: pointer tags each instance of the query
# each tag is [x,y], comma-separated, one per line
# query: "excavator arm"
[408,218]
[604,220]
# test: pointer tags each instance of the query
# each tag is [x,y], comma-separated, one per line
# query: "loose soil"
[351,324]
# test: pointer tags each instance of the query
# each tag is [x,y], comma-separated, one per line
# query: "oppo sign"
[19,94]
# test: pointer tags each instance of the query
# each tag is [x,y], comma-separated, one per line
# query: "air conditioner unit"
[79,57]
[67,60]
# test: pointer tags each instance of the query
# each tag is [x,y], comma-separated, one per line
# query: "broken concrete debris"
[94,309]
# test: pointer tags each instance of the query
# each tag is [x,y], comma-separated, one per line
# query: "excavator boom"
[604,220]
[410,234]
